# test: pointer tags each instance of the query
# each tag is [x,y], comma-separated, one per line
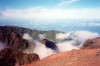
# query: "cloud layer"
[2,46]
[65,42]
[74,40]
[54,13]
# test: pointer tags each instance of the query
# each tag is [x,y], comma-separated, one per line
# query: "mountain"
[13,52]
[12,55]
[33,33]
[12,38]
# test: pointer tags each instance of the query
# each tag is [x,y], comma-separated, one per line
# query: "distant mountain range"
[33,33]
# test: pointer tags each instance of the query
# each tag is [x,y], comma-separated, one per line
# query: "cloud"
[84,35]
[88,23]
[54,13]
[27,37]
[94,24]
[2,46]
[1,14]
[73,40]
[31,43]
[66,2]
[37,47]
[42,36]
[67,46]
[42,51]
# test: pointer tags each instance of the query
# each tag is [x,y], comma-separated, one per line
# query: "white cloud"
[27,37]
[66,2]
[74,40]
[42,51]
[87,23]
[84,35]
[42,36]
[44,13]
[37,47]
[94,24]
[2,46]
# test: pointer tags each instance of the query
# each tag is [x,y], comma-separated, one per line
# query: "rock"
[49,44]
[9,57]
[14,40]
[92,43]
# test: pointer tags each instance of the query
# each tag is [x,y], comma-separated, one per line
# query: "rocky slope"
[92,43]
[86,57]
[10,57]
[89,55]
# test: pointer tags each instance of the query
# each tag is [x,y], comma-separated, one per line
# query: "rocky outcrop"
[49,44]
[92,44]
[11,57]
[14,40]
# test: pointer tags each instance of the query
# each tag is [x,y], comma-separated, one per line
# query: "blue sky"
[50,14]
[48,3]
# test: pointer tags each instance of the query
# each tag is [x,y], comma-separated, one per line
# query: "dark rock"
[14,40]
[9,57]
[49,44]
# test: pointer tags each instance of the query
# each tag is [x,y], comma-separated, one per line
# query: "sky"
[51,13]
[49,9]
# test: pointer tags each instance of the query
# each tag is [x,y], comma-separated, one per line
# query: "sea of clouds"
[65,42]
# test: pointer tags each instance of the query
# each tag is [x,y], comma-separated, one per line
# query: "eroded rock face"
[92,44]
[13,55]
[9,57]
[14,40]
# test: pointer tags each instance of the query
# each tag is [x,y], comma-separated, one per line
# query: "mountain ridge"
[33,33]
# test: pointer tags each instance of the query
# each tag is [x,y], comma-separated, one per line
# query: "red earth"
[84,57]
